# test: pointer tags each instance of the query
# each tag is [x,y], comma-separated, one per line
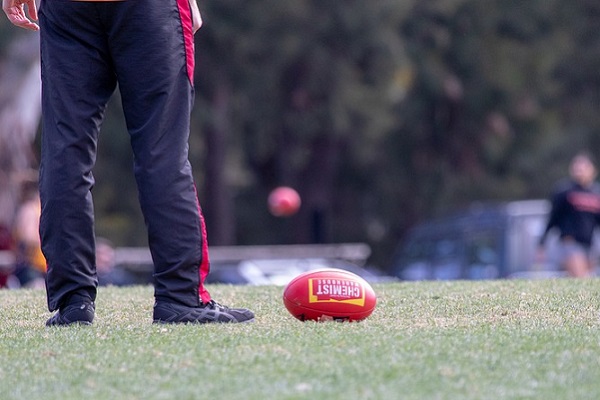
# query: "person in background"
[105,262]
[6,260]
[146,48]
[575,213]
[109,273]
[30,263]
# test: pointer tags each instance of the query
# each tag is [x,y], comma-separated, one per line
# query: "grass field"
[426,340]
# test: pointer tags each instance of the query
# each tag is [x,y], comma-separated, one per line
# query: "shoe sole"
[158,321]
[83,323]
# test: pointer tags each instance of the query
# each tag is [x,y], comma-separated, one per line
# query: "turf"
[427,340]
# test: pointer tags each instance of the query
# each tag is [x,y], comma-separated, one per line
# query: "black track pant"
[146,47]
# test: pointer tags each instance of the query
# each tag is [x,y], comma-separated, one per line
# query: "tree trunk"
[218,203]
[318,191]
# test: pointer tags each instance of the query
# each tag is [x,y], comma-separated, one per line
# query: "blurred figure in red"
[6,266]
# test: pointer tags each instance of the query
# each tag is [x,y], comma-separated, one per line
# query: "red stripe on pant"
[185,14]
[205,263]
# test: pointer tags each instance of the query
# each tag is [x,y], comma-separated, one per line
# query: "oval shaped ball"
[329,295]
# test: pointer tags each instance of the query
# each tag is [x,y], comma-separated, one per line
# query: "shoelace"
[216,306]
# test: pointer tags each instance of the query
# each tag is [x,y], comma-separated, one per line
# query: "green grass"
[427,340]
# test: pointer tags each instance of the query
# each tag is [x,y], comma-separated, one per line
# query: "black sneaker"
[211,312]
[79,312]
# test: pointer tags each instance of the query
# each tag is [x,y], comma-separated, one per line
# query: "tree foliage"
[380,113]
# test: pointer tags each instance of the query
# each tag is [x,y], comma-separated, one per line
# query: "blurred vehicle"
[483,242]
[282,271]
[260,265]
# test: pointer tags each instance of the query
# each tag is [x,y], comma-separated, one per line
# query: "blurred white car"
[282,271]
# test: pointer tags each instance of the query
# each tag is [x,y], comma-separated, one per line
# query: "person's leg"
[153,56]
[576,265]
[576,260]
[77,81]
[153,51]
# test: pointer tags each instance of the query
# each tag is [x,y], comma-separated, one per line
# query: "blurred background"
[380,113]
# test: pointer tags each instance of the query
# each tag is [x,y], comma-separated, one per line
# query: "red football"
[329,295]
[284,201]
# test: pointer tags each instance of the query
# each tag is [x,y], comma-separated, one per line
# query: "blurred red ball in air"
[284,201]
